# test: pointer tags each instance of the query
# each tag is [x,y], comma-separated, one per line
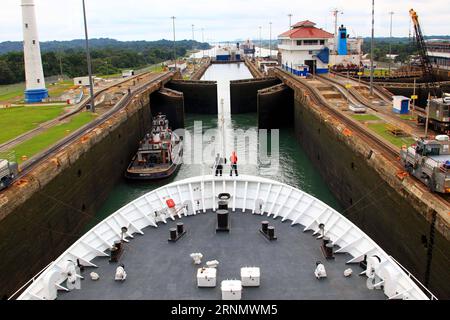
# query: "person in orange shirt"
[233,160]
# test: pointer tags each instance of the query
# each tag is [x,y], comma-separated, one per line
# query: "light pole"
[193,36]
[290,21]
[174,47]
[371,48]
[60,64]
[270,41]
[260,41]
[203,42]
[336,37]
[193,46]
[390,44]
[428,114]
[88,55]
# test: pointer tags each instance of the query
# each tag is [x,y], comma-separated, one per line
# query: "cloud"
[221,19]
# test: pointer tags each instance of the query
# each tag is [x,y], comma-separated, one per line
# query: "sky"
[221,20]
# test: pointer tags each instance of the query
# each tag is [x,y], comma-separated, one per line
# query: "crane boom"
[427,67]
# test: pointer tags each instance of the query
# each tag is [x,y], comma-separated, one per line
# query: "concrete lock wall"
[244,93]
[170,103]
[370,202]
[275,107]
[199,96]
[57,212]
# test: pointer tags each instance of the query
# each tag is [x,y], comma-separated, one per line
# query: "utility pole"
[88,56]
[428,114]
[290,21]
[335,12]
[270,41]
[193,36]
[193,46]
[60,64]
[174,47]
[260,41]
[390,44]
[203,42]
[371,48]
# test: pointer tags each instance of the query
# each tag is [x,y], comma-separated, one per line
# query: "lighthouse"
[34,74]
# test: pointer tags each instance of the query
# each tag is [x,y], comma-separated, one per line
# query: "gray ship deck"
[157,269]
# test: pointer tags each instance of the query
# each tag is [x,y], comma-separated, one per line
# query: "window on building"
[34,41]
[299,42]
[322,42]
[26,25]
[310,52]
[310,42]
[38,80]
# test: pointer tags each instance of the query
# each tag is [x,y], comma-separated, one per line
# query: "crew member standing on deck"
[219,162]
[233,160]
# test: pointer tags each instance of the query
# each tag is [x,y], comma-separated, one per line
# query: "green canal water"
[294,168]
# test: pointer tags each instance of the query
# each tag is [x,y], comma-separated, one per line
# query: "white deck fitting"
[284,201]
[250,276]
[206,277]
[231,290]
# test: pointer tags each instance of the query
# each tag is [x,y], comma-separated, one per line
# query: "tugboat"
[159,154]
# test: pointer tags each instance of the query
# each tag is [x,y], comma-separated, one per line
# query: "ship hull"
[143,176]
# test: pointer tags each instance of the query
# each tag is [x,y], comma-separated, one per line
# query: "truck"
[8,172]
[429,161]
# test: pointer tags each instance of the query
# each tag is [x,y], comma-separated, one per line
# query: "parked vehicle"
[429,161]
[8,172]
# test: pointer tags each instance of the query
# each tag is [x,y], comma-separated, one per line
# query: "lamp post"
[88,56]
[270,41]
[428,114]
[371,48]
[60,64]
[390,44]
[335,12]
[193,45]
[260,41]
[203,42]
[174,48]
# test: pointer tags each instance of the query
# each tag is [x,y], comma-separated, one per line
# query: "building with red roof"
[305,49]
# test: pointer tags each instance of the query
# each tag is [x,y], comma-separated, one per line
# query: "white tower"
[34,74]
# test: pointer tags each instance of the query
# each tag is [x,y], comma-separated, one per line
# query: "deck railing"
[410,275]
[29,282]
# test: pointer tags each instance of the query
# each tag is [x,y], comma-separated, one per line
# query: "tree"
[6,75]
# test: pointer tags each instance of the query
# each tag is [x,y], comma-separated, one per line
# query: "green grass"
[157,68]
[15,92]
[407,117]
[44,140]
[59,88]
[153,68]
[365,117]
[380,129]
[12,92]
[110,76]
[15,121]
